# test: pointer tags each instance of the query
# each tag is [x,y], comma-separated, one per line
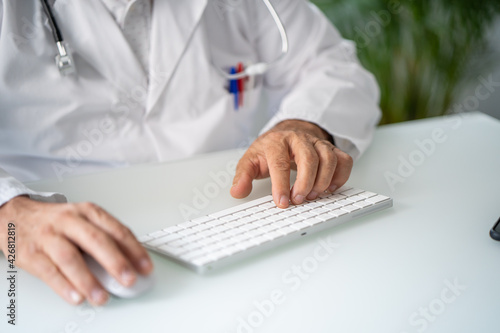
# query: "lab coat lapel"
[174,22]
[92,32]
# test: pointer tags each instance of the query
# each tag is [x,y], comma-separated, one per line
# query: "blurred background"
[430,57]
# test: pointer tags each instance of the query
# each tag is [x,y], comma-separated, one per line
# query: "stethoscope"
[65,64]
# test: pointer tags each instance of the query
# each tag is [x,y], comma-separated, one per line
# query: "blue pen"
[233,88]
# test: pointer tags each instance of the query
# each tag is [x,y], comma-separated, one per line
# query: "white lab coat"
[108,115]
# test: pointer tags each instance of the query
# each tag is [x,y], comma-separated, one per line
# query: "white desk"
[383,269]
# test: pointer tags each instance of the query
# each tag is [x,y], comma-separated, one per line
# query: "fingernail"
[332,188]
[127,277]
[313,195]
[75,297]
[98,296]
[284,201]
[299,199]
[145,265]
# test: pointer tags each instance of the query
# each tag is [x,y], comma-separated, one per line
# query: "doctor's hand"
[49,237]
[298,145]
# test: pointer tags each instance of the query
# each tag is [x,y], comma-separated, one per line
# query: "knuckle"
[87,206]
[330,158]
[66,256]
[310,156]
[96,237]
[122,233]
[47,272]
[347,159]
[281,164]
[275,136]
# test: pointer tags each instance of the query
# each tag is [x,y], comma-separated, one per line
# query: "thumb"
[246,172]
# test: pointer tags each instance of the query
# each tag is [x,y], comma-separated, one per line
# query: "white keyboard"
[218,239]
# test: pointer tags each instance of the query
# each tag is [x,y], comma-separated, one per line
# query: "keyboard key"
[367,194]
[241,207]
[274,218]
[337,212]
[273,235]
[318,211]
[286,230]
[262,215]
[362,204]
[233,249]
[355,198]
[212,247]
[343,202]
[313,204]
[291,220]
[219,254]
[311,221]
[201,219]
[247,219]
[157,234]
[254,210]
[164,240]
[323,217]
[242,214]
[216,223]
[262,222]
[275,210]
[144,238]
[350,208]
[177,243]
[268,205]
[186,232]
[201,227]
[191,246]
[242,237]
[187,225]
[305,215]
[206,241]
[338,197]
[351,192]
[377,199]
[248,227]
[221,228]
[208,232]
[288,213]
[228,218]
[332,206]
[173,229]
[300,209]
[227,242]
[270,227]
[255,233]
[246,244]
[299,225]
[326,200]
[173,250]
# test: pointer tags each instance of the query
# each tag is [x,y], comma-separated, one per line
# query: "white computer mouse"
[141,285]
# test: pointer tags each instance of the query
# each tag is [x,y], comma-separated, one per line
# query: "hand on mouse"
[49,237]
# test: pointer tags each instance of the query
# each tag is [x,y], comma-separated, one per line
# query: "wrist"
[7,215]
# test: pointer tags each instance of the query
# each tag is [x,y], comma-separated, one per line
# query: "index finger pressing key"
[278,160]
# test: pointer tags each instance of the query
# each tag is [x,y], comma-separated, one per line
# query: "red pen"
[241,85]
